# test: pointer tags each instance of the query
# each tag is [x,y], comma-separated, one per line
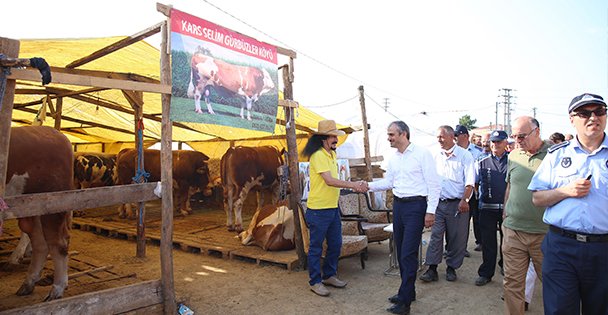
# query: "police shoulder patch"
[560,145]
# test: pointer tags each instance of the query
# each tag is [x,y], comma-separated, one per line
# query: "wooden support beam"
[110,301]
[10,48]
[289,103]
[82,80]
[60,201]
[116,46]
[88,123]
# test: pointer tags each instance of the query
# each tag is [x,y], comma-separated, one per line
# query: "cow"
[272,228]
[189,171]
[243,169]
[228,80]
[40,160]
[94,170]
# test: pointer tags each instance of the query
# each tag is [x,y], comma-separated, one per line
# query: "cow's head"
[268,83]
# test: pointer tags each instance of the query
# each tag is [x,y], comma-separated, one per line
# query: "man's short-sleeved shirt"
[522,214]
[564,164]
[322,196]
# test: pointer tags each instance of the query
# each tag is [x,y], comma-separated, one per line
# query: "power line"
[309,56]
[334,104]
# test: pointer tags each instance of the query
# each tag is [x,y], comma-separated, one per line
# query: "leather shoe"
[466,253]
[335,282]
[527,305]
[478,248]
[429,275]
[450,274]
[482,281]
[401,309]
[319,289]
[395,298]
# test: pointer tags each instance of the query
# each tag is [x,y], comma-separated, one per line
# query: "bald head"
[526,132]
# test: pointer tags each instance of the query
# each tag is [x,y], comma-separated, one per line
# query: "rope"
[141,176]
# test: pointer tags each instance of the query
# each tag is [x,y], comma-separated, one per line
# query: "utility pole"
[496,113]
[386,102]
[534,112]
[506,95]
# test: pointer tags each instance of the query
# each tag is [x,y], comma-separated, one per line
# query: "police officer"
[572,182]
[490,174]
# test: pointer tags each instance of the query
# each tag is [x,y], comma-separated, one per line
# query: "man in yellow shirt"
[323,214]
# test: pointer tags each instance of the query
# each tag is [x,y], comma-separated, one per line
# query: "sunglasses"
[522,136]
[582,113]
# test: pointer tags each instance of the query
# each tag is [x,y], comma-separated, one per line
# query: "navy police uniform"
[575,266]
[491,174]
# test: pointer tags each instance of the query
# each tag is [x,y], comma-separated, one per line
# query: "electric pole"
[534,112]
[506,95]
[386,102]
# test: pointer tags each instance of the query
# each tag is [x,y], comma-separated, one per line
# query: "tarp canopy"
[105,117]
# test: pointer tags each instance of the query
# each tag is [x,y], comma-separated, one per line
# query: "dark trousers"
[490,221]
[408,222]
[323,225]
[474,211]
[574,272]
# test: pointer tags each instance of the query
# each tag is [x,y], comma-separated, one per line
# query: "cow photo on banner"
[221,77]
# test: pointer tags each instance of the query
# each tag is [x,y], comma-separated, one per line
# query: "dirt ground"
[212,285]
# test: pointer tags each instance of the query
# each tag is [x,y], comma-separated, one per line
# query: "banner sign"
[221,77]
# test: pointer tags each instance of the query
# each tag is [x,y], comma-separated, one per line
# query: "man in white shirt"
[412,176]
[455,167]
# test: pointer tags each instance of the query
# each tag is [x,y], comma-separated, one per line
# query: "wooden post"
[141,206]
[292,157]
[58,110]
[10,48]
[166,159]
[368,160]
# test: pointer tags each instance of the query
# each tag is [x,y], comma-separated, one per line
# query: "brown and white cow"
[94,170]
[189,170]
[40,160]
[243,169]
[272,228]
[227,80]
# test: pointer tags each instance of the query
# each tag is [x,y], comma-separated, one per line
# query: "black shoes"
[429,275]
[467,254]
[478,248]
[400,309]
[481,281]
[395,298]
[450,274]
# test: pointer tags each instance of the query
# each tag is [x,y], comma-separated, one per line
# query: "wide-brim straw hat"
[328,128]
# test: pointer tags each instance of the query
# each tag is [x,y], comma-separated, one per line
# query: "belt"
[408,199]
[581,237]
[449,199]
[492,206]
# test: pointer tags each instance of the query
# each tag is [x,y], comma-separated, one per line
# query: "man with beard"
[571,182]
[323,214]
[455,167]
[412,176]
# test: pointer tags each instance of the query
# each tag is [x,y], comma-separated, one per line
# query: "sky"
[434,61]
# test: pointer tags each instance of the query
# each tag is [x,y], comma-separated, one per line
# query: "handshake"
[360,186]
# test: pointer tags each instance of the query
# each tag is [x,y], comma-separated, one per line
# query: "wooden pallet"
[287,259]
[202,233]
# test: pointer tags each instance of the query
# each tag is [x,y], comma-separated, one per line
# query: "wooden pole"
[292,157]
[10,48]
[58,110]
[166,159]
[368,159]
[141,206]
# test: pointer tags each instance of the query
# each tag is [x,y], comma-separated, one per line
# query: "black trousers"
[490,222]
[474,212]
